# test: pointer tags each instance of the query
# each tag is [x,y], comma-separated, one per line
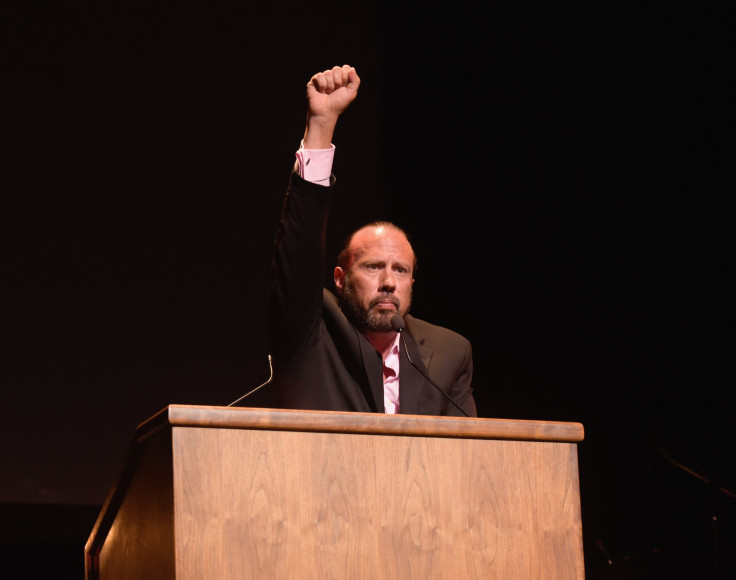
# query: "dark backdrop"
[565,170]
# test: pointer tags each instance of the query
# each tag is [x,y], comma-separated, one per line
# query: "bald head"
[369,234]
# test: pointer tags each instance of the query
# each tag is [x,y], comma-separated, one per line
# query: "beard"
[370,319]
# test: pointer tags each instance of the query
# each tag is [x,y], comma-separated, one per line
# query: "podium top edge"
[359,423]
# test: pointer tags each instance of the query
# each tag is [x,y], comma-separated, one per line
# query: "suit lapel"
[361,360]
[412,383]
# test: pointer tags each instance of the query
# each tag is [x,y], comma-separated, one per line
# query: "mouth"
[385,304]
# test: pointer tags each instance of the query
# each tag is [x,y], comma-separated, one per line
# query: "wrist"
[319,132]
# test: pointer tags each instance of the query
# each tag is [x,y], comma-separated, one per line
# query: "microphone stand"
[249,393]
[714,489]
[397,323]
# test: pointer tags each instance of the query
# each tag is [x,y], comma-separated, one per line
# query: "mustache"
[385,298]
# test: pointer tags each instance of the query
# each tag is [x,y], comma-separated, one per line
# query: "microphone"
[397,323]
[248,394]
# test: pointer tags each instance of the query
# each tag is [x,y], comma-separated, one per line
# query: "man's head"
[374,276]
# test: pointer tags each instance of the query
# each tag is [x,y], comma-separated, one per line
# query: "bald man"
[343,351]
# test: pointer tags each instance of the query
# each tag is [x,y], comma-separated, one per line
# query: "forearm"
[319,131]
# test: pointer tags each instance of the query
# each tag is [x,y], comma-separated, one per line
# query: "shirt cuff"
[315,165]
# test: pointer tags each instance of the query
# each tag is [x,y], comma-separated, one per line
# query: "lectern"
[235,493]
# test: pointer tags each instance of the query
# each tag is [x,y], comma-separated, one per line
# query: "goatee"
[371,319]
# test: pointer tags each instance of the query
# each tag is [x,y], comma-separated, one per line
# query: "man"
[343,352]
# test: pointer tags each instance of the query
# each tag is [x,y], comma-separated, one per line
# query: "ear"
[339,277]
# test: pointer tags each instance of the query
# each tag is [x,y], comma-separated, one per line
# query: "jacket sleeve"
[298,269]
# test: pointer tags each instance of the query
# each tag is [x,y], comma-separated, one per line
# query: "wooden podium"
[236,493]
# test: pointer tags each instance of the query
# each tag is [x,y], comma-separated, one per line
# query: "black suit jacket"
[320,360]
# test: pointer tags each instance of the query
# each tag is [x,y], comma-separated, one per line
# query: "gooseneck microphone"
[249,393]
[397,323]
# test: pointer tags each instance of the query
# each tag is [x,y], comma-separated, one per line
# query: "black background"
[566,173]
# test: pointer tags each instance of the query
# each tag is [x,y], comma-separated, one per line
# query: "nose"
[388,282]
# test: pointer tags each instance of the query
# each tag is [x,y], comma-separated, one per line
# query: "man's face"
[378,282]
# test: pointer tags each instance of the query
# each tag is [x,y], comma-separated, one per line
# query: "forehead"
[381,242]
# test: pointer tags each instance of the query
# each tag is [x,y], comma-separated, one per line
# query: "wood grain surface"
[274,494]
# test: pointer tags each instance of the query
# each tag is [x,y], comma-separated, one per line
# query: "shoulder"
[428,334]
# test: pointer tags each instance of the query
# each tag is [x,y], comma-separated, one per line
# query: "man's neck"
[381,341]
